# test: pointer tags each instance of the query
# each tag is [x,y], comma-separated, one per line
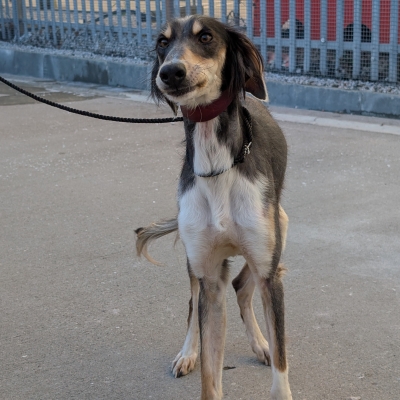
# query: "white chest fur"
[209,154]
[219,216]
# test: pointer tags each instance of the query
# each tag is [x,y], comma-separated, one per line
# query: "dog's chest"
[218,212]
[209,154]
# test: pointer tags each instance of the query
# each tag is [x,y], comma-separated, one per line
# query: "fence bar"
[119,19]
[30,12]
[249,19]
[60,18]
[24,18]
[199,9]
[128,17]
[224,11]
[394,48]
[307,35]
[68,14]
[138,21]
[236,12]
[263,30]
[188,7]
[38,16]
[292,36]
[278,29]
[2,25]
[176,8]
[357,38]
[323,36]
[53,23]
[148,24]
[9,17]
[76,18]
[92,19]
[164,11]
[109,17]
[84,16]
[15,20]
[46,20]
[158,15]
[211,7]
[339,34]
[101,20]
[375,40]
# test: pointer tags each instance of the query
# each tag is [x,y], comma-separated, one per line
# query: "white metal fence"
[356,39]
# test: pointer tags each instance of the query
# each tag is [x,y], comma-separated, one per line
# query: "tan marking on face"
[168,32]
[192,58]
[197,27]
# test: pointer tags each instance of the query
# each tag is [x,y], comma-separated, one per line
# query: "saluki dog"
[228,195]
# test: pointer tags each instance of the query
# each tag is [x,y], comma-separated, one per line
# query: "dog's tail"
[153,232]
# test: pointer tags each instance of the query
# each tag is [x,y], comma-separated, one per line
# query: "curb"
[334,100]
[74,69]
[136,76]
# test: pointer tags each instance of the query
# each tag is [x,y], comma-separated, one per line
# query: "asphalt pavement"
[83,318]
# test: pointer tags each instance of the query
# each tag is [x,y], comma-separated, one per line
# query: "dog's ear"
[156,93]
[245,66]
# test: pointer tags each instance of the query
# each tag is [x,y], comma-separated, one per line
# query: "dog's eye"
[205,38]
[163,42]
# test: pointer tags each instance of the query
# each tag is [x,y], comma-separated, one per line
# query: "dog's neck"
[204,113]
[217,145]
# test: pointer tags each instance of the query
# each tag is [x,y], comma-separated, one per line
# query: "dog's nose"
[173,74]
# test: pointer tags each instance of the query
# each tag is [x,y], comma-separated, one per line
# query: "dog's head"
[199,57]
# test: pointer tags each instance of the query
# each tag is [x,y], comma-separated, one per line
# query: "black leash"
[89,114]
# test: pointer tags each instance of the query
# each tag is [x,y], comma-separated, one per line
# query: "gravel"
[344,84]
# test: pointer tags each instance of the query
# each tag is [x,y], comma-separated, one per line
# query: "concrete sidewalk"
[83,318]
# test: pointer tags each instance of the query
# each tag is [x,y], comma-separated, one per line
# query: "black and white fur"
[235,213]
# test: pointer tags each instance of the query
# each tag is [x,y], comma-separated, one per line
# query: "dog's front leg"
[212,320]
[185,360]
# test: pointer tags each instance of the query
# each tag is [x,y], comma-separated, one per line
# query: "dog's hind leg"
[212,318]
[244,286]
[185,360]
[283,222]
[271,289]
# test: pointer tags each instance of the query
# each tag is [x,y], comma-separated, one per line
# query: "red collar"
[209,111]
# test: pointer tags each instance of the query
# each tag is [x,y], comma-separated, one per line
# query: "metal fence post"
[16,4]
[249,19]
[278,31]
[292,36]
[394,46]
[375,40]
[357,38]
[323,36]
[307,35]
[339,34]
[263,30]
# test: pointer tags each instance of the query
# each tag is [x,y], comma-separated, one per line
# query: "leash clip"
[247,148]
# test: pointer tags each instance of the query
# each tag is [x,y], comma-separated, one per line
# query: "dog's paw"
[283,394]
[261,349]
[182,364]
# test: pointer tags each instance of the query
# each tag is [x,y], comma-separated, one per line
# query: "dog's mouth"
[178,92]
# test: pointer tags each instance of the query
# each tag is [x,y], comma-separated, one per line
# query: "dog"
[228,194]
